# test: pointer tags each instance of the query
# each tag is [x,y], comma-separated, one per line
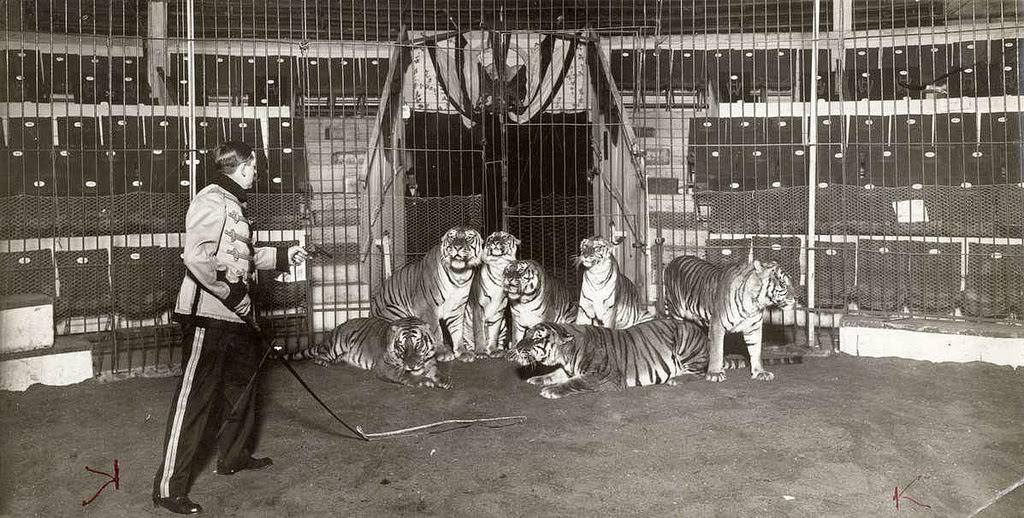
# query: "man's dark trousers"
[217,363]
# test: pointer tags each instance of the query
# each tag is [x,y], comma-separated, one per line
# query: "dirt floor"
[830,437]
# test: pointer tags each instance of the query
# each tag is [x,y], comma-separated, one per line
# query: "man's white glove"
[297,255]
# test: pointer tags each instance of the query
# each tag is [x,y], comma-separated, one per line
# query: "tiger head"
[523,279]
[461,248]
[776,288]
[410,344]
[540,344]
[595,250]
[500,248]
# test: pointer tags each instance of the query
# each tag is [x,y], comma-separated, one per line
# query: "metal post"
[812,172]
[190,32]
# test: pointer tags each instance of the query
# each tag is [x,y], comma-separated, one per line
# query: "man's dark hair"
[229,155]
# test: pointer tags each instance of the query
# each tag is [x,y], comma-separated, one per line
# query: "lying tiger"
[436,289]
[607,298]
[729,299]
[593,358]
[487,298]
[534,297]
[401,351]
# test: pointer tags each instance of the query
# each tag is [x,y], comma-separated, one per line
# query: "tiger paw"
[466,356]
[536,380]
[715,377]
[444,356]
[762,376]
[441,384]
[551,392]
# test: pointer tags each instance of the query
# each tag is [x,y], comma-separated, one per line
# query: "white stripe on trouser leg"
[179,412]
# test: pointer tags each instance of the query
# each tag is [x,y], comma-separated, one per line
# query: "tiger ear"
[758,267]
[617,240]
[566,337]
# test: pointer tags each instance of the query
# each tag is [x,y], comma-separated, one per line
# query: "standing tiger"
[607,298]
[535,298]
[593,358]
[726,299]
[487,299]
[436,289]
[401,351]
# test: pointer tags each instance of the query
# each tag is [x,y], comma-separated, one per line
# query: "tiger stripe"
[594,358]
[729,299]
[402,351]
[534,297]
[436,289]
[607,297]
[487,299]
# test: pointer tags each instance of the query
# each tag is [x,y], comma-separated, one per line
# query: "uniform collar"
[231,186]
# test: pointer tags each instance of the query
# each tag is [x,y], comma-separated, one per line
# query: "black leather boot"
[178,504]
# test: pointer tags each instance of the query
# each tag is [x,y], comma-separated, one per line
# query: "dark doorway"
[457,179]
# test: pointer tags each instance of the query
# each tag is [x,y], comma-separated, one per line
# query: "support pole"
[812,173]
[193,162]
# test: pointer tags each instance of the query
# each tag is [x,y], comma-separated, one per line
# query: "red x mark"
[115,478]
[898,495]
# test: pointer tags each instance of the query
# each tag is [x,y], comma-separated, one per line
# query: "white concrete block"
[26,323]
[929,346]
[48,369]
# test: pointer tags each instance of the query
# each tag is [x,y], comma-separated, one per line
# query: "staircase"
[29,354]
[336,155]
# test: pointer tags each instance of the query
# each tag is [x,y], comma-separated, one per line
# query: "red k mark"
[115,479]
[898,495]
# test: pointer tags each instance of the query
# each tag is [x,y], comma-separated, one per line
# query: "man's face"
[247,173]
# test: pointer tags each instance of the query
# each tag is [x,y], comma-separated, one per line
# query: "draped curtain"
[466,73]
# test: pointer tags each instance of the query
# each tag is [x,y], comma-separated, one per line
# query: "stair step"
[334,273]
[345,294]
[326,318]
[68,361]
[333,234]
[26,323]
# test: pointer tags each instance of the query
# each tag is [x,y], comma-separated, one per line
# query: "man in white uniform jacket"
[219,353]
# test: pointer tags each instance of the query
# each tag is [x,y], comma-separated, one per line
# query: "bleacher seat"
[27,272]
[727,251]
[79,133]
[835,266]
[784,250]
[934,281]
[165,133]
[994,286]
[24,81]
[123,132]
[827,89]
[145,280]
[271,294]
[882,274]
[84,283]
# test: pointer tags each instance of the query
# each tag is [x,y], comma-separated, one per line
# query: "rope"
[498,422]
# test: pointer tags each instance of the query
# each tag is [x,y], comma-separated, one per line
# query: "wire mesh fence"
[874,152]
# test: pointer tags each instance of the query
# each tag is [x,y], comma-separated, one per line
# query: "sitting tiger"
[607,298]
[533,297]
[726,299]
[487,299]
[593,358]
[401,351]
[436,289]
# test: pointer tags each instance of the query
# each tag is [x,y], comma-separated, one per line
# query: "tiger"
[436,289]
[607,298]
[726,299]
[594,358]
[401,351]
[534,297]
[487,300]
